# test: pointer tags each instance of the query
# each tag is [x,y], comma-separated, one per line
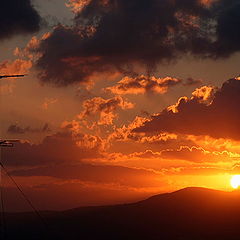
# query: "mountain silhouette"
[187,214]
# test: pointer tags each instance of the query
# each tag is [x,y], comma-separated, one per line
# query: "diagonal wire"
[1,202]
[3,222]
[25,197]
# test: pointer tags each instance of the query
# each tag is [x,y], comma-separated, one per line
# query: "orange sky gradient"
[106,126]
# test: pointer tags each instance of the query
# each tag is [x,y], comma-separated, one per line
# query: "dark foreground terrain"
[191,213]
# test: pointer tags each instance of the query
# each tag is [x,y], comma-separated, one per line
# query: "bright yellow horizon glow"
[235,181]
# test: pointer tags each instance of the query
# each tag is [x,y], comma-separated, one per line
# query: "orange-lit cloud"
[207,2]
[18,66]
[213,144]
[198,154]
[126,139]
[182,156]
[218,118]
[204,94]
[29,51]
[106,108]
[143,84]
[77,5]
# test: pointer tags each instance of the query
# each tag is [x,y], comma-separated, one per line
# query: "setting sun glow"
[235,181]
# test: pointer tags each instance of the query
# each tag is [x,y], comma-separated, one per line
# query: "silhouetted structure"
[6,143]
[11,76]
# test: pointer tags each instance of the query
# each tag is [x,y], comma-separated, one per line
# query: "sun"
[235,181]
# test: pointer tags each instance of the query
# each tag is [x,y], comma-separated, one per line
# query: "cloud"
[227,31]
[143,84]
[205,170]
[191,82]
[15,129]
[208,112]
[77,5]
[198,154]
[191,154]
[213,144]
[105,108]
[18,66]
[147,154]
[47,102]
[127,134]
[202,170]
[79,194]
[18,17]
[93,173]
[112,36]
[58,148]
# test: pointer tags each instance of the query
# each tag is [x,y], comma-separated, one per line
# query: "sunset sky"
[123,99]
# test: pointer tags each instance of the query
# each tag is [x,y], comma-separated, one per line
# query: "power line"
[9,143]
[3,222]
[24,196]
[1,202]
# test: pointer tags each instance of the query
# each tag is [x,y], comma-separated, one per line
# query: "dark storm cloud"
[219,118]
[18,17]
[15,129]
[112,35]
[228,31]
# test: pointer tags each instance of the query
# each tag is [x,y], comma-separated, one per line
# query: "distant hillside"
[187,214]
